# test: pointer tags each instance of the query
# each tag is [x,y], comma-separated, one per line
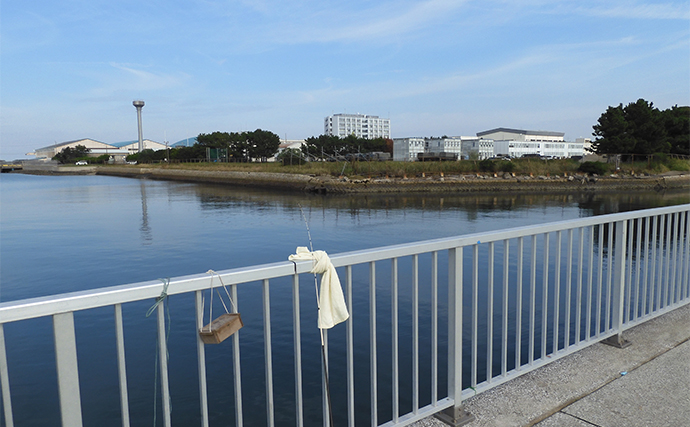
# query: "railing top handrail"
[82,300]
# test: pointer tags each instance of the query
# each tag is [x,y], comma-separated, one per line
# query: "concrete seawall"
[433,184]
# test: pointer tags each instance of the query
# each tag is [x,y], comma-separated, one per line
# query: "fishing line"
[323,345]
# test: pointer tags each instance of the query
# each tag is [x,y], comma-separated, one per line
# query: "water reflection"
[145,229]
[590,203]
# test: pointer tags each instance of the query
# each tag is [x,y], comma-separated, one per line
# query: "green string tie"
[161,297]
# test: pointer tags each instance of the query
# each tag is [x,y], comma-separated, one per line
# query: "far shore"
[427,183]
[484,183]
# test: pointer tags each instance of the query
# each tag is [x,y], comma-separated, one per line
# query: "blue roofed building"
[188,142]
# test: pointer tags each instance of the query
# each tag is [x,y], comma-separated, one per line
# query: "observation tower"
[139,104]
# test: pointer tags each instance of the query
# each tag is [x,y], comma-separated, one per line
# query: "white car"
[82,163]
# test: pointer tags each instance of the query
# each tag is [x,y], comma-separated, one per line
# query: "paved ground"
[645,384]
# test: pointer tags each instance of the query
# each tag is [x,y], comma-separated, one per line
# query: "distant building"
[97,148]
[360,125]
[446,144]
[518,142]
[477,148]
[406,149]
[187,142]
[133,146]
[287,144]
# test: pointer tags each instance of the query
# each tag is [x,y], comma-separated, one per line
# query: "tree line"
[641,128]
[331,146]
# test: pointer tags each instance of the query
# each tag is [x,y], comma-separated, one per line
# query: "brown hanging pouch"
[225,325]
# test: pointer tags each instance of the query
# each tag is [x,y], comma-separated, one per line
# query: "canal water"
[69,233]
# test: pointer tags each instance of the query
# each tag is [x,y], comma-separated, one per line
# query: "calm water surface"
[63,234]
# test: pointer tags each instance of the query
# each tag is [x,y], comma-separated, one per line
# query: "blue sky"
[70,69]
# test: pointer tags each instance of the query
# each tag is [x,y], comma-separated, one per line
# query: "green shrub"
[598,168]
[506,166]
[678,165]
[487,166]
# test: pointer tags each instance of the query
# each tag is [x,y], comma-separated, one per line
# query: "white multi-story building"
[518,142]
[451,144]
[406,149]
[360,125]
[477,148]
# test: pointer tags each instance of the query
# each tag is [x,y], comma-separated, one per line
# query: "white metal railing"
[517,299]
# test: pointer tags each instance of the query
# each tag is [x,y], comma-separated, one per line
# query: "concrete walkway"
[645,384]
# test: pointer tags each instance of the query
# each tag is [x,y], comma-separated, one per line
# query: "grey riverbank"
[468,183]
[427,184]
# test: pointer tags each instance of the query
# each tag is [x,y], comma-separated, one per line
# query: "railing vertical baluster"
[647,299]
[5,380]
[163,361]
[609,276]
[456,414]
[568,290]
[557,292]
[201,358]
[415,333]
[578,299]
[518,309]
[590,275]
[121,367]
[686,273]
[629,276]
[638,266]
[677,257]
[475,313]
[674,243]
[490,316]
[236,365]
[679,276]
[532,298]
[600,279]
[664,252]
[394,338]
[325,396]
[434,328]
[660,262]
[545,298]
[504,312]
[268,354]
[372,344]
[685,263]
[350,350]
[297,349]
[67,369]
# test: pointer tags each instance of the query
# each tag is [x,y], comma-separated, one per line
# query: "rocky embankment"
[427,184]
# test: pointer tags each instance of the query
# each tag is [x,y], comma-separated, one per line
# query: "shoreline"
[427,184]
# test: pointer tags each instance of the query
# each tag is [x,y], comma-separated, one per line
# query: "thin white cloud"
[638,11]
[138,79]
[386,22]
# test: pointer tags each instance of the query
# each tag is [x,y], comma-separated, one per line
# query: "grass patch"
[392,169]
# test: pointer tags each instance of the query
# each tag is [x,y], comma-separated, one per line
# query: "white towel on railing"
[332,308]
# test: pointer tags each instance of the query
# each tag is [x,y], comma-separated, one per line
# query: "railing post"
[618,300]
[67,370]
[456,414]
[5,381]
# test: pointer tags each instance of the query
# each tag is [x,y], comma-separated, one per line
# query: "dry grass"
[535,167]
